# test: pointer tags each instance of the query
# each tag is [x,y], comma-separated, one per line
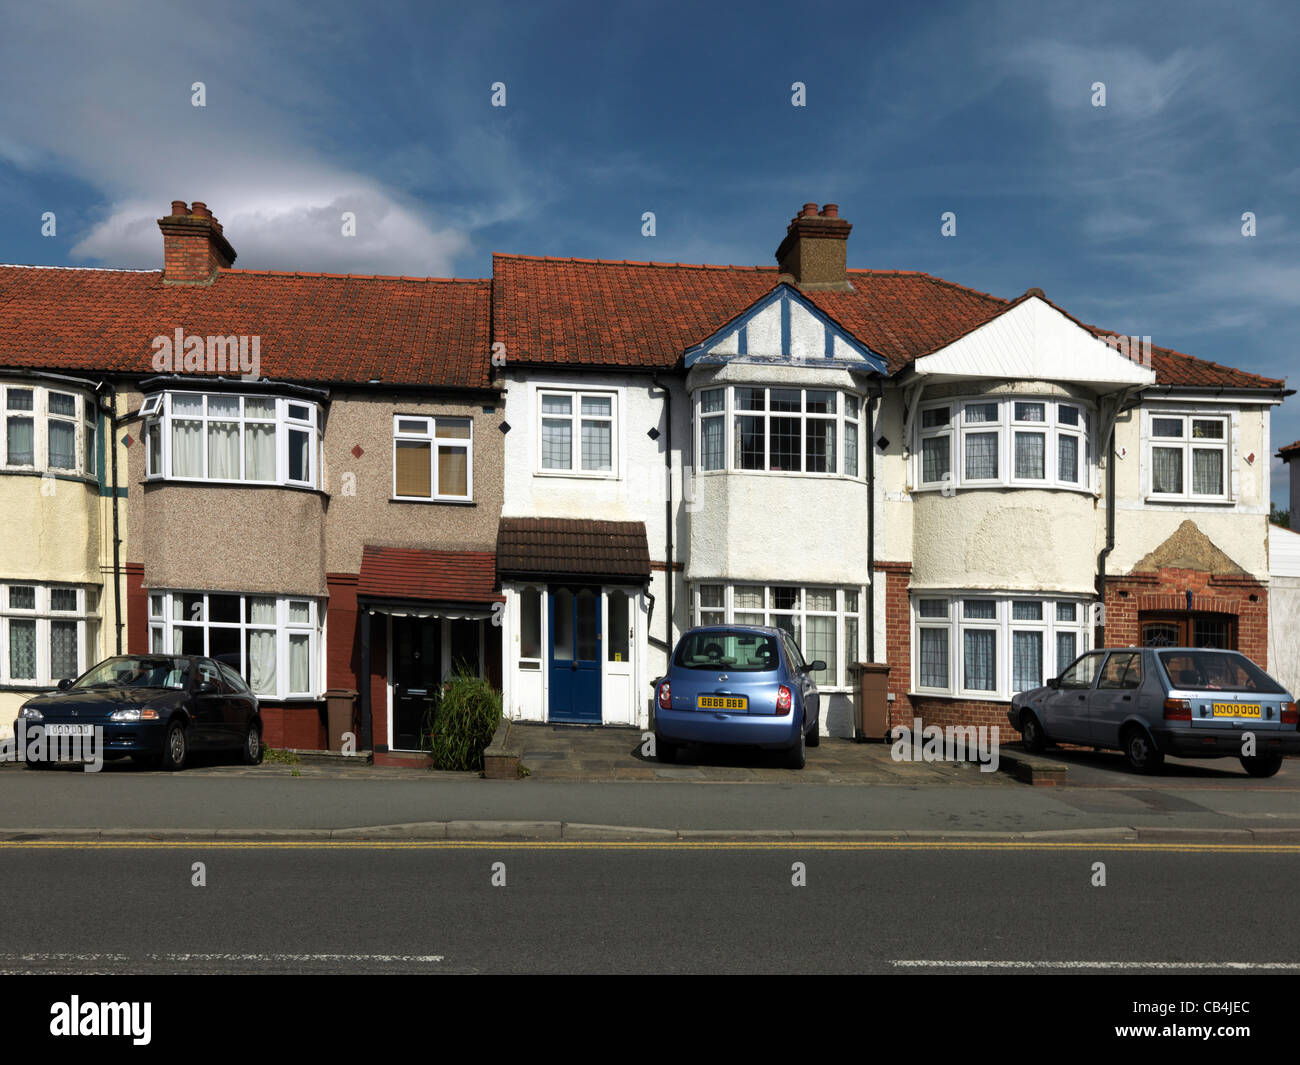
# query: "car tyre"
[176,747]
[815,735]
[1141,752]
[665,751]
[797,757]
[1031,733]
[1262,765]
[251,752]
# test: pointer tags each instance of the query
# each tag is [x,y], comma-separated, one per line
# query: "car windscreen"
[1216,671]
[733,650]
[137,671]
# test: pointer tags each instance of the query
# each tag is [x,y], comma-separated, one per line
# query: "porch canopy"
[572,549]
[413,582]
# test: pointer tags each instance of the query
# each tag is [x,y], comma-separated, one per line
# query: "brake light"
[1289,715]
[783,699]
[665,697]
[1178,710]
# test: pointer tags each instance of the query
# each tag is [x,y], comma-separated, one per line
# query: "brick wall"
[137,611]
[1166,590]
[295,725]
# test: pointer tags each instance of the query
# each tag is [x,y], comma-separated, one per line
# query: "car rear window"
[737,651]
[1216,671]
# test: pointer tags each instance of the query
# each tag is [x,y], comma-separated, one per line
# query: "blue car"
[738,684]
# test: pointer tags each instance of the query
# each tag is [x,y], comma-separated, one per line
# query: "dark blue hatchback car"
[738,684]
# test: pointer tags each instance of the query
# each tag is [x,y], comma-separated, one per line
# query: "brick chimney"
[194,248]
[813,252]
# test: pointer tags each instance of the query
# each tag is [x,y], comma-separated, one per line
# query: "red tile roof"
[563,547]
[1289,449]
[324,328]
[443,576]
[595,312]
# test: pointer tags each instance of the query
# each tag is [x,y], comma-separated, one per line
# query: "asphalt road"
[704,908]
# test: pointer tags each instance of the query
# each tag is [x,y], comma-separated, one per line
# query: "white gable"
[1035,341]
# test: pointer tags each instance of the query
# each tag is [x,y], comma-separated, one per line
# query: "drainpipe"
[668,513]
[1121,401]
[871,515]
[111,443]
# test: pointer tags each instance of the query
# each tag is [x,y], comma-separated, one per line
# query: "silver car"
[1189,702]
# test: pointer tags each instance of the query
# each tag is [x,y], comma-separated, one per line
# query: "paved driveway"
[568,752]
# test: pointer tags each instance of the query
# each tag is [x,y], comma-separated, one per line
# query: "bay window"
[47,428]
[1011,440]
[984,645]
[778,430]
[231,438]
[47,632]
[273,642]
[823,621]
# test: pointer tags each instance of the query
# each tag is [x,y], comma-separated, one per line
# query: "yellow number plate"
[1236,709]
[717,702]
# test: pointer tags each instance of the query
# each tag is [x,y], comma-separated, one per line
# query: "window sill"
[55,474]
[953,489]
[210,481]
[960,696]
[433,502]
[1213,501]
[784,473]
[578,475]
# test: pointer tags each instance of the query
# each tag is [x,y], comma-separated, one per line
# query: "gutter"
[113,423]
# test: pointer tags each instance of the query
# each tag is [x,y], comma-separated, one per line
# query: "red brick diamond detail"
[127,440]
[357,452]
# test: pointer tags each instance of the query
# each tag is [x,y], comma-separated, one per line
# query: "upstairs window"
[1189,456]
[47,429]
[578,432]
[432,457]
[231,438]
[1012,440]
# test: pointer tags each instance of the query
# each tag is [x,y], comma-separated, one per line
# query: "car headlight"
[30,713]
[133,713]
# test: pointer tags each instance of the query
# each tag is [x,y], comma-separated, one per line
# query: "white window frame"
[284,422]
[162,625]
[85,615]
[701,614]
[730,413]
[576,418]
[1004,624]
[83,419]
[1005,427]
[1187,443]
[429,435]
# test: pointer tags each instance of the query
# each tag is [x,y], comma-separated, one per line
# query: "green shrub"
[460,724]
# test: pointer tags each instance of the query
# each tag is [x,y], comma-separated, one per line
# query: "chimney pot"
[831,210]
[200,210]
[809,210]
[179,208]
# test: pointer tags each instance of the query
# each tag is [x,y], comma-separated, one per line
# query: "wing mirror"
[1053,682]
[65,684]
[206,687]
[815,665]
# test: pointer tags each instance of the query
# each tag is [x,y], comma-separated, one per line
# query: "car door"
[207,708]
[1115,696]
[1065,710]
[240,703]
[810,697]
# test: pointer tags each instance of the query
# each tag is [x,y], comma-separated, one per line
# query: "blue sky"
[1128,216]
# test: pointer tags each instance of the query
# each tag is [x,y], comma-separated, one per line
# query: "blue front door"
[574,617]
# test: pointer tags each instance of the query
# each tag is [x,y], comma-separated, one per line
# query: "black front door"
[417,672]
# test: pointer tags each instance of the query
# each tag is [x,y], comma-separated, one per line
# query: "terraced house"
[896,469]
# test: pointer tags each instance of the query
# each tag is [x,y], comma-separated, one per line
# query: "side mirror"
[815,666]
[1053,682]
[65,684]
[206,687]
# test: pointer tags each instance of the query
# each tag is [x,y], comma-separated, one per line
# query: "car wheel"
[797,756]
[1141,752]
[815,735]
[1031,733]
[176,747]
[665,751]
[1262,765]
[251,752]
